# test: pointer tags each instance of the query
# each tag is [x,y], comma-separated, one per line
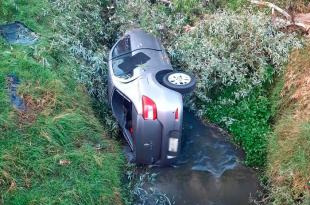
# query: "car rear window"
[122,47]
[125,65]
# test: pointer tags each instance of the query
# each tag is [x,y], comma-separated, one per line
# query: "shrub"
[187,6]
[247,120]
[234,57]
[86,33]
[227,49]
[235,4]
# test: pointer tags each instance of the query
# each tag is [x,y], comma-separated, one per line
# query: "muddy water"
[209,171]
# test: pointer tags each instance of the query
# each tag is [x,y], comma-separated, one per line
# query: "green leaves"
[249,124]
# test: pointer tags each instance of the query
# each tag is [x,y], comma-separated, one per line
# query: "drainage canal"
[209,172]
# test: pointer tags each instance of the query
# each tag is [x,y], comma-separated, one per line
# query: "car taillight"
[176,114]
[149,108]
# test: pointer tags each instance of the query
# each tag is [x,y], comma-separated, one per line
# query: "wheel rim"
[179,79]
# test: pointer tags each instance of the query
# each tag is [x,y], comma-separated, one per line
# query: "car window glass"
[125,65]
[122,47]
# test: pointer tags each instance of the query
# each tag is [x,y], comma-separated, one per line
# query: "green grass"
[187,6]
[236,4]
[64,128]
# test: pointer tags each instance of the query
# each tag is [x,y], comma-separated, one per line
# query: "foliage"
[299,6]
[142,192]
[157,19]
[236,4]
[231,61]
[86,35]
[247,120]
[288,148]
[187,6]
[57,152]
[231,56]
[234,53]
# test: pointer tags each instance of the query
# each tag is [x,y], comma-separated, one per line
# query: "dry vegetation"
[289,150]
[297,82]
[298,6]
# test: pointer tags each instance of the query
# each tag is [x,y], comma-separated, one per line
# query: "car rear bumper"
[155,142]
[171,147]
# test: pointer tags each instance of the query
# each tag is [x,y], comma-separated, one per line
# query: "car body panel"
[149,138]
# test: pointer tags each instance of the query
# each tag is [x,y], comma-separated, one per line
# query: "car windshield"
[125,65]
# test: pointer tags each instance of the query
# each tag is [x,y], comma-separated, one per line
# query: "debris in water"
[144,195]
[16,100]
[18,33]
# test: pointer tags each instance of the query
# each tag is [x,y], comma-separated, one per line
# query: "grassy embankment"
[57,152]
[289,144]
[288,154]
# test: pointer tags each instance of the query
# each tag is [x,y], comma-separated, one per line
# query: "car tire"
[179,81]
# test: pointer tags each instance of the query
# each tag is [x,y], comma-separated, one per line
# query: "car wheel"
[179,81]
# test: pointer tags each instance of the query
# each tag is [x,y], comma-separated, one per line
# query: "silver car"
[146,97]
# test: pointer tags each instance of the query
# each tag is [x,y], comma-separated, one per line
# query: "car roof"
[142,40]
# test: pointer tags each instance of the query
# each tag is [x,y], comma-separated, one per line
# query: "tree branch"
[299,20]
[273,7]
